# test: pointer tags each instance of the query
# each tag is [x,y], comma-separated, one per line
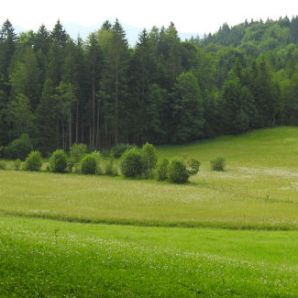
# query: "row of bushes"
[20,148]
[135,162]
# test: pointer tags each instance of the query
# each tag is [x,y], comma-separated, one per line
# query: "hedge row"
[134,163]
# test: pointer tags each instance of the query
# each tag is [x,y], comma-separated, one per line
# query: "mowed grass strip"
[229,200]
[41,258]
[259,190]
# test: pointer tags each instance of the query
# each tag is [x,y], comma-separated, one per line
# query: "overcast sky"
[195,16]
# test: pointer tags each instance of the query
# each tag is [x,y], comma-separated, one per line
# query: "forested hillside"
[101,91]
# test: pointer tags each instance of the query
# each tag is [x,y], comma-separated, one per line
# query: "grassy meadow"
[225,234]
[42,258]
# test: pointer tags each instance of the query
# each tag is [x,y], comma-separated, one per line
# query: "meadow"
[231,234]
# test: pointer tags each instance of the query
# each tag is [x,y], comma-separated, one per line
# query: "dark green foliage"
[58,161]
[119,149]
[102,93]
[77,152]
[89,164]
[177,172]
[193,166]
[132,163]
[187,123]
[218,164]
[33,161]
[162,170]
[149,159]
[291,101]
[19,148]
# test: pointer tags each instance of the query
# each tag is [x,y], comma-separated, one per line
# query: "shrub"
[33,161]
[2,165]
[17,164]
[132,163]
[18,148]
[99,170]
[110,168]
[77,152]
[89,164]
[162,170]
[218,164]
[96,154]
[58,161]
[149,159]
[177,172]
[119,149]
[193,166]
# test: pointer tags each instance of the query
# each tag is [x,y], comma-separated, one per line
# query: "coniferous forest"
[101,91]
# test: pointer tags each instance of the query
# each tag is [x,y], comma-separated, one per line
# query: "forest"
[101,91]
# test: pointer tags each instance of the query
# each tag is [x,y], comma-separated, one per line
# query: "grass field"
[41,258]
[231,234]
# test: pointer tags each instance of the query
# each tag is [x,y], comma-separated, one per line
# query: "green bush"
[177,172]
[89,164]
[96,154]
[77,152]
[58,161]
[193,166]
[132,163]
[162,170]
[218,164]
[110,168]
[119,149]
[17,164]
[2,165]
[18,148]
[33,161]
[149,159]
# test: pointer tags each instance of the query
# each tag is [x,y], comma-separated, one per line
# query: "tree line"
[102,92]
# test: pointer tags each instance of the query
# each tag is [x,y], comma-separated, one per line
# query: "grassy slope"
[273,148]
[259,190]
[40,258]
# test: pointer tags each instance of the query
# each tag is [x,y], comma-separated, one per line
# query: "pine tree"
[7,47]
[20,116]
[187,118]
[48,119]
[25,77]
[94,63]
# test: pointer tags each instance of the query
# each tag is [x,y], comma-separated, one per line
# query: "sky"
[190,16]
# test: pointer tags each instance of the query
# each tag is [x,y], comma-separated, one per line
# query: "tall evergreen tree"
[94,69]
[187,118]
[48,119]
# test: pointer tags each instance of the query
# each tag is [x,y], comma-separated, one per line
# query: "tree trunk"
[116,104]
[93,114]
[77,123]
[97,125]
[70,130]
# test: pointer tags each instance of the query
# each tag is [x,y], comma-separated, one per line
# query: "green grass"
[228,199]
[41,258]
[258,190]
[273,148]
[244,243]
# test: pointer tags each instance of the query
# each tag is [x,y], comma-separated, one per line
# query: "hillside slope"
[275,147]
[258,190]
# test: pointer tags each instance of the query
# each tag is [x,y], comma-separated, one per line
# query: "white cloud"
[188,15]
